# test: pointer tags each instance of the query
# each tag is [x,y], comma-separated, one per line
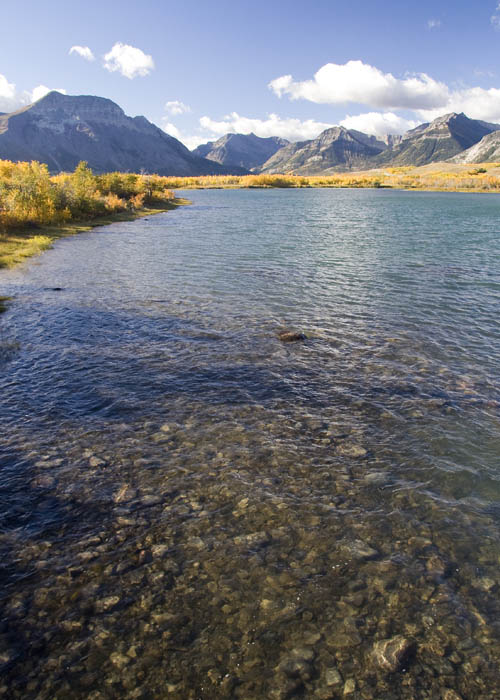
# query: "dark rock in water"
[291,336]
[391,654]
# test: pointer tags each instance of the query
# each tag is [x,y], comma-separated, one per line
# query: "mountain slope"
[440,140]
[62,130]
[241,150]
[334,149]
[486,151]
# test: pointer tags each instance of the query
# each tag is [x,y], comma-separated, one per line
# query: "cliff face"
[334,149]
[246,151]
[62,130]
[440,140]
[486,151]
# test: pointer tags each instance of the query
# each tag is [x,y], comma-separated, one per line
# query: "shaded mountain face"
[62,130]
[486,151]
[440,140]
[335,149]
[246,151]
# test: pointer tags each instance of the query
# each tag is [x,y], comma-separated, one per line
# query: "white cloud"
[361,83]
[7,95]
[40,91]
[83,51]
[475,102]
[291,129]
[379,123]
[171,129]
[175,107]
[433,23]
[128,60]
[11,99]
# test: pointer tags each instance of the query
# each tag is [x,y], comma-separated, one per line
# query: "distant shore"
[439,177]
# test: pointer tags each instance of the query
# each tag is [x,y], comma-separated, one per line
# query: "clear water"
[191,508]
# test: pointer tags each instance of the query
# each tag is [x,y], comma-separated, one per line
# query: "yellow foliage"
[31,197]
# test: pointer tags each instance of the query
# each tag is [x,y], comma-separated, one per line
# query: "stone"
[349,686]
[95,462]
[450,694]
[436,566]
[291,336]
[351,449]
[105,604]
[391,654]
[119,660]
[333,677]
[361,550]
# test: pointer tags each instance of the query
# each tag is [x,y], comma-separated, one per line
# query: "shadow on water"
[37,524]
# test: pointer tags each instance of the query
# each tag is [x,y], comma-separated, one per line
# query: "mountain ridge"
[61,130]
[241,150]
[339,149]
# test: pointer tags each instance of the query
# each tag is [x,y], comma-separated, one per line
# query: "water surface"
[191,508]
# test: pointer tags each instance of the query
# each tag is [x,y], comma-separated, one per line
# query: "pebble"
[351,449]
[95,462]
[391,654]
[333,677]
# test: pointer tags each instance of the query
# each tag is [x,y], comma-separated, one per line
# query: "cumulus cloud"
[379,123]
[83,51]
[171,129]
[291,129]
[11,99]
[128,60]
[433,23]
[362,83]
[7,95]
[40,91]
[175,107]
[475,102]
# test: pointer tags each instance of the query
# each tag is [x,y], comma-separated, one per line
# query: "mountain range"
[339,149]
[246,151]
[62,130]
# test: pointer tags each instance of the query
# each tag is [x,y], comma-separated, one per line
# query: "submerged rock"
[391,654]
[289,336]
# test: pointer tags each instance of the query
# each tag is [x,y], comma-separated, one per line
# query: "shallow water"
[191,508]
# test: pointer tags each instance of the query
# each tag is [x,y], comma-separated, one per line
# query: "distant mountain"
[440,140]
[339,149]
[335,149]
[241,150]
[62,130]
[486,151]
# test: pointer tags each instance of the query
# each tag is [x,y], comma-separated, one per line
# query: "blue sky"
[200,69]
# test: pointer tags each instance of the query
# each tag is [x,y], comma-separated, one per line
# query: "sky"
[202,69]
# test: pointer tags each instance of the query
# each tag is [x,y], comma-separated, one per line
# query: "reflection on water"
[192,509]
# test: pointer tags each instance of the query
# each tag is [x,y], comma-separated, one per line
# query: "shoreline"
[16,246]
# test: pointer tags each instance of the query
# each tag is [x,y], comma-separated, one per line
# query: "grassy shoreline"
[18,245]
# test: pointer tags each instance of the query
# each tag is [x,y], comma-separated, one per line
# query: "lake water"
[192,508]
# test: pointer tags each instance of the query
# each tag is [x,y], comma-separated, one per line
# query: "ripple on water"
[191,508]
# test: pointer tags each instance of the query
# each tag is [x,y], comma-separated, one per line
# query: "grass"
[18,245]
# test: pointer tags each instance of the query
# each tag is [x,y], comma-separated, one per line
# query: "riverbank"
[18,245]
[36,208]
[439,177]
